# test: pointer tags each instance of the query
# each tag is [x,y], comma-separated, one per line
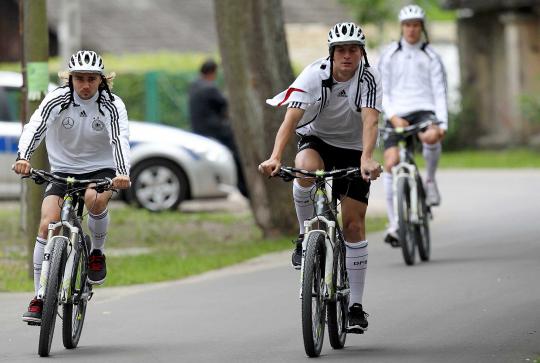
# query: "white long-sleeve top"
[79,139]
[413,79]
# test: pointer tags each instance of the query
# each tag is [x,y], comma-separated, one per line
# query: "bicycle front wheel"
[406,228]
[313,299]
[74,310]
[50,300]
[422,230]
[338,308]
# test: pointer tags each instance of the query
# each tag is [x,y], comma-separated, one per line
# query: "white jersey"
[413,79]
[337,124]
[82,138]
[333,115]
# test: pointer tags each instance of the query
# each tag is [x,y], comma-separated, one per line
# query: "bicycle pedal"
[356,330]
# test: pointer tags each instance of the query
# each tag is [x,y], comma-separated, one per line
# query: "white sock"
[357,255]
[39,249]
[303,203]
[389,192]
[98,225]
[431,154]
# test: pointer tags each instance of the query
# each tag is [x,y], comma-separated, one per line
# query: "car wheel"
[158,185]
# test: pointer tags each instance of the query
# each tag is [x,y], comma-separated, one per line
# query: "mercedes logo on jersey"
[68,122]
[97,124]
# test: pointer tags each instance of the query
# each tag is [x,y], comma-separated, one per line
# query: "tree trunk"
[256,67]
[34,57]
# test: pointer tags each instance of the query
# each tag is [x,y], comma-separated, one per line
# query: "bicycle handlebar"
[40,176]
[289,173]
[408,130]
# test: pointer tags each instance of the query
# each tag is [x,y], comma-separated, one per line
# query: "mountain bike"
[64,271]
[324,285]
[409,195]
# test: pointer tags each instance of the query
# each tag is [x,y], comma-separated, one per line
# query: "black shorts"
[338,158]
[412,118]
[60,190]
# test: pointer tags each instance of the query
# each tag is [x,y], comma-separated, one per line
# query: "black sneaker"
[33,315]
[97,268]
[297,252]
[392,238]
[357,319]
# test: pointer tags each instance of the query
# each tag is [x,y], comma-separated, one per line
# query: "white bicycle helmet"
[346,33]
[412,12]
[86,61]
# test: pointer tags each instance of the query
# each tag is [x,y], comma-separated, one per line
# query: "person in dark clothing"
[208,115]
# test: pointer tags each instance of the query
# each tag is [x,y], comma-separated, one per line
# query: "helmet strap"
[329,82]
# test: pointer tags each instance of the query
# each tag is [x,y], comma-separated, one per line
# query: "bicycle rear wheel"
[406,228]
[313,304]
[50,300]
[337,310]
[74,310]
[422,230]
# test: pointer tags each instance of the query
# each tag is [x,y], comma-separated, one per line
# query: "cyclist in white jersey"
[334,105]
[414,84]
[85,127]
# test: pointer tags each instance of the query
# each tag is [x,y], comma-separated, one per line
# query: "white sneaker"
[433,198]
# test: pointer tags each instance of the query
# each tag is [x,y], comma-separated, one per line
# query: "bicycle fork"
[329,252]
[408,171]
[51,241]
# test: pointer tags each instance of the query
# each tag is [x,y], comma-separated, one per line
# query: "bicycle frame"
[406,169]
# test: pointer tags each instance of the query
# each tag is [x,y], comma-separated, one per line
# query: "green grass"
[516,158]
[180,245]
[478,159]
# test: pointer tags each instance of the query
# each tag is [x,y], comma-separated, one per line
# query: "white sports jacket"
[84,137]
[413,79]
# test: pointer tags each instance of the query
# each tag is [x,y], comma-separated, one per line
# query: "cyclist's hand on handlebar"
[270,167]
[22,167]
[370,169]
[397,121]
[121,182]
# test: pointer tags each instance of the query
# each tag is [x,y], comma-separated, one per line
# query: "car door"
[10,130]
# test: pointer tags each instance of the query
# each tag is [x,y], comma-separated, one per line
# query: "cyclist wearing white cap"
[334,105]
[85,127]
[414,87]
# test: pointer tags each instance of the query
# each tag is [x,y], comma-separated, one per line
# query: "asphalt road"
[478,300]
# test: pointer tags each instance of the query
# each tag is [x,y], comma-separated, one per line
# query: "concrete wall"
[500,63]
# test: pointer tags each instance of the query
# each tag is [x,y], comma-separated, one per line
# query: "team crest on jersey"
[68,122]
[342,93]
[97,124]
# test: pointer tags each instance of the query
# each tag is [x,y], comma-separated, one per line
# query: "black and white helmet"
[412,12]
[346,33]
[86,61]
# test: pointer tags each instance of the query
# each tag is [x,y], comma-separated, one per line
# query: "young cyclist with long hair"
[85,127]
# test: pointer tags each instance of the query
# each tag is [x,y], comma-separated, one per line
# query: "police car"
[168,165]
